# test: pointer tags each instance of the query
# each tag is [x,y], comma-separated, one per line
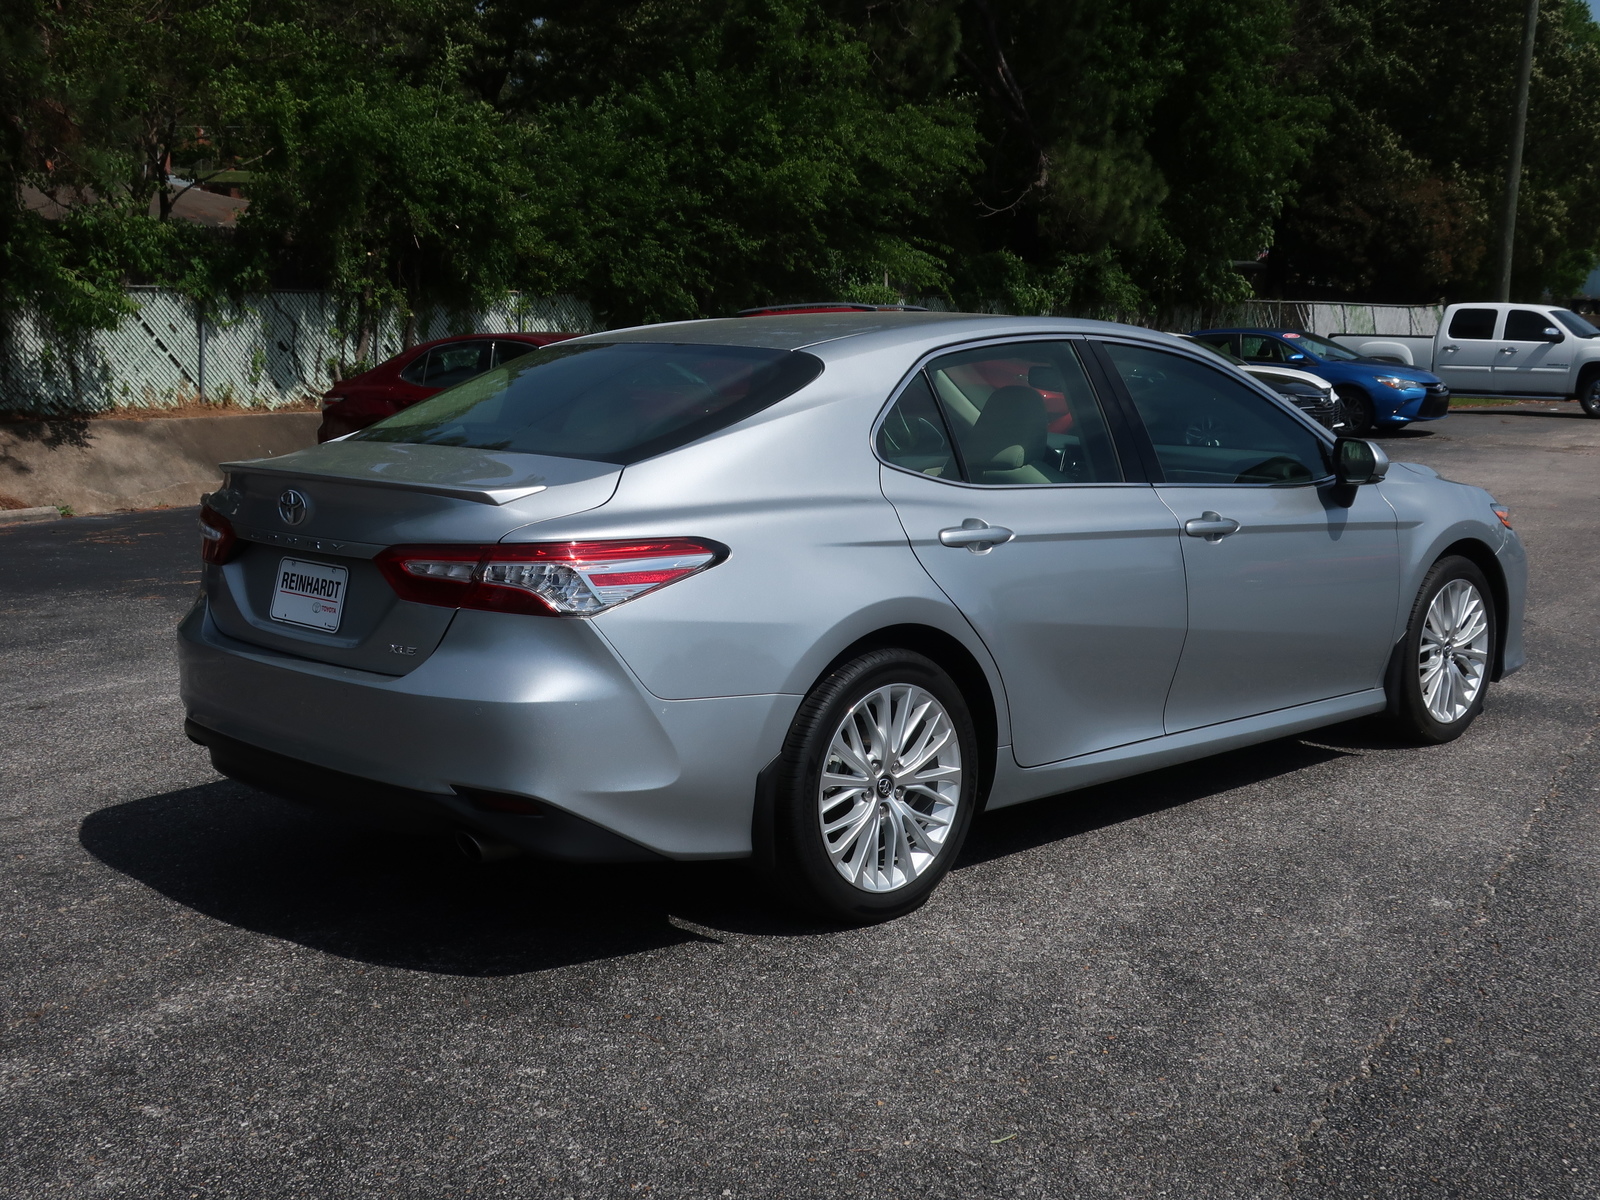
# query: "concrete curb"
[16,516]
[96,466]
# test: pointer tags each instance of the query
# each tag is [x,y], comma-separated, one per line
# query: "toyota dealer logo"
[293,507]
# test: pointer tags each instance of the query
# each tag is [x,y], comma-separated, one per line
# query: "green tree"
[1402,200]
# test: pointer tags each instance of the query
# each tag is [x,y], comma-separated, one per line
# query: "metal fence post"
[200,337]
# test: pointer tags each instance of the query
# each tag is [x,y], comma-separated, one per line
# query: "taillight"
[544,578]
[218,542]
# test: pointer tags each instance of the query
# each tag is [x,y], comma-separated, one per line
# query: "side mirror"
[1357,461]
[1552,334]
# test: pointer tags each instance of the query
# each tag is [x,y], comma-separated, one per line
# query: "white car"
[1310,393]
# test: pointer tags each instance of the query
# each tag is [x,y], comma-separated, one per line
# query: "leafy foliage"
[681,159]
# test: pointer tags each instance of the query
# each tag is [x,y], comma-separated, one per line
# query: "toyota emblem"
[293,507]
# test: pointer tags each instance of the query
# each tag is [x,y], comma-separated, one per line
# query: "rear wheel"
[1441,668]
[1589,394]
[1356,412]
[876,788]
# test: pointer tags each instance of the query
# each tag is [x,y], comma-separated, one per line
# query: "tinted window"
[914,436]
[1211,428]
[1577,324]
[1473,324]
[505,352]
[453,364]
[610,401]
[416,370]
[1222,343]
[1525,325]
[1255,348]
[1024,413]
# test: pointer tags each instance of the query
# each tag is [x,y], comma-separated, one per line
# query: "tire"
[875,850]
[1359,418]
[1589,394]
[1434,695]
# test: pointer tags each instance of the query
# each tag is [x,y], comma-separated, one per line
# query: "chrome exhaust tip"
[483,849]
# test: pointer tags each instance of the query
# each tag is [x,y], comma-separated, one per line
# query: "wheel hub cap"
[1453,656]
[890,788]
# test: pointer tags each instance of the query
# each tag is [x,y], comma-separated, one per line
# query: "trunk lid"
[312,522]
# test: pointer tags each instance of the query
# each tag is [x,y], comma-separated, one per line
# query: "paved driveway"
[1322,967]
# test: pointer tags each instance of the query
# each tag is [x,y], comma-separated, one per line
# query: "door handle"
[1211,526]
[1451,349]
[976,535]
[1508,350]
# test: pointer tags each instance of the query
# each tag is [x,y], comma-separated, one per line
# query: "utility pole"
[1519,124]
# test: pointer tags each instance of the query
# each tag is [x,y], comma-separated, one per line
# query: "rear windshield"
[608,401]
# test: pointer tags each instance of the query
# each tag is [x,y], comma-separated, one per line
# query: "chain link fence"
[273,349]
[280,348]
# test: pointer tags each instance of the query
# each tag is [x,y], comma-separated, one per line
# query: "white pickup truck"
[1501,349]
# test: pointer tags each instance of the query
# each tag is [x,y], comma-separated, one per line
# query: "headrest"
[1013,417]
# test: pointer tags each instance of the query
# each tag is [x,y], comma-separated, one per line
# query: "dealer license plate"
[309,594]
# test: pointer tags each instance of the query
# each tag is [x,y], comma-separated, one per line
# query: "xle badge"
[393,649]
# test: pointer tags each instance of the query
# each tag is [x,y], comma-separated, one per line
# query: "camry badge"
[293,507]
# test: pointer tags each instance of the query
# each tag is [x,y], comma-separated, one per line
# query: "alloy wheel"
[1453,656]
[890,788]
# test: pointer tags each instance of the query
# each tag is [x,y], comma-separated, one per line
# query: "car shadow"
[394,899]
[1058,818]
[412,902]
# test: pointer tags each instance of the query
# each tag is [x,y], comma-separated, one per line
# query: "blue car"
[1375,395]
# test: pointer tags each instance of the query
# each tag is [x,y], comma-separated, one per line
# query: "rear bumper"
[530,707]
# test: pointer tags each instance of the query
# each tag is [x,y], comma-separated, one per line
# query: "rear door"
[1526,358]
[1291,596]
[1466,355]
[1080,596]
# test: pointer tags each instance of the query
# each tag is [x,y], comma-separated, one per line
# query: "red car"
[418,373]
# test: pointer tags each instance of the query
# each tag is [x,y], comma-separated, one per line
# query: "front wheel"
[1357,413]
[1442,666]
[875,789]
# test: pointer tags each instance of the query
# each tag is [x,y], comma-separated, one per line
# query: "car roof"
[1252,329]
[805,331]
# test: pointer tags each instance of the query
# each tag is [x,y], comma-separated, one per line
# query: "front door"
[1527,360]
[1292,597]
[1011,490]
[1466,353]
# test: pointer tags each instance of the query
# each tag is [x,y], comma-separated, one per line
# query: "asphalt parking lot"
[1324,967]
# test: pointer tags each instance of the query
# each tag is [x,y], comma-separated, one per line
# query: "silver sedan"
[815,589]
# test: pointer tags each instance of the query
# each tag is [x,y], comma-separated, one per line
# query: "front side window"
[1473,324]
[1525,325]
[615,402]
[1024,413]
[1209,428]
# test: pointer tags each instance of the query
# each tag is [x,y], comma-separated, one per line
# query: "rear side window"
[1473,324]
[446,366]
[914,435]
[607,401]
[1024,413]
[1254,348]
[1525,325]
[1210,428]
[504,352]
